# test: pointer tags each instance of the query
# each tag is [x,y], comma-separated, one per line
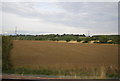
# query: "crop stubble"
[35,54]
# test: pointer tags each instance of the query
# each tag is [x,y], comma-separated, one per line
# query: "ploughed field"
[35,54]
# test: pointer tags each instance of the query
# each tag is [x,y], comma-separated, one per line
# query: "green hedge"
[7,45]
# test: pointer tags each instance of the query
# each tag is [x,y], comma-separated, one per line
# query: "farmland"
[74,60]
[35,54]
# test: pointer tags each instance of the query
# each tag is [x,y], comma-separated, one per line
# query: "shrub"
[78,40]
[85,42]
[7,45]
[87,39]
[67,40]
[103,39]
[116,40]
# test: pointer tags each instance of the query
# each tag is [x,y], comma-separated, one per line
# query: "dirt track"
[44,53]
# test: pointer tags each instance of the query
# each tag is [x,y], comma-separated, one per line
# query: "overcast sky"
[60,17]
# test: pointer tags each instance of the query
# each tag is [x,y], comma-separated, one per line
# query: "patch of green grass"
[66,72]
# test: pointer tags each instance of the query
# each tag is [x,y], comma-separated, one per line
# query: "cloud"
[94,16]
[27,25]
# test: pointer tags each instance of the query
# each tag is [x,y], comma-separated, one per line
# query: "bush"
[67,40]
[96,42]
[87,39]
[7,45]
[116,40]
[78,40]
[103,39]
[85,42]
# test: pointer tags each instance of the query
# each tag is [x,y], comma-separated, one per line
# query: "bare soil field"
[35,54]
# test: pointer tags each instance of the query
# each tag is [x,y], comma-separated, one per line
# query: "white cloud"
[61,17]
[27,25]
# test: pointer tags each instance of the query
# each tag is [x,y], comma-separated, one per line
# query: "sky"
[59,17]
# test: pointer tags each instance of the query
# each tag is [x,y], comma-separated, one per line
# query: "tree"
[67,40]
[87,39]
[103,39]
[78,40]
[7,45]
[116,40]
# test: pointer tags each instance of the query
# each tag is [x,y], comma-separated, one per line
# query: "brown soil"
[36,54]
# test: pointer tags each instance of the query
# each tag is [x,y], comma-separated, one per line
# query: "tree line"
[114,39]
